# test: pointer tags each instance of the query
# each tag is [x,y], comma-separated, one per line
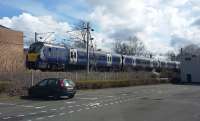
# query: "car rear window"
[68,82]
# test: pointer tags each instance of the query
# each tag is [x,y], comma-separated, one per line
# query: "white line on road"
[40,118]
[70,106]
[62,114]
[53,109]
[71,111]
[51,116]
[70,102]
[5,118]
[62,108]
[110,96]
[43,111]
[20,116]
[32,113]
[79,109]
[27,106]
[40,107]
[94,98]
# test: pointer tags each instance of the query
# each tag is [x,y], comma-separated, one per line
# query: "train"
[52,57]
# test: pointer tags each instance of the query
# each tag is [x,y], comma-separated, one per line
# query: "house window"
[189,77]
[187,59]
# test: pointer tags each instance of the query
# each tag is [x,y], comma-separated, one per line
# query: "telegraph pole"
[35,36]
[87,47]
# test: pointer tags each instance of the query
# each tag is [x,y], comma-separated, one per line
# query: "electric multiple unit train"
[50,57]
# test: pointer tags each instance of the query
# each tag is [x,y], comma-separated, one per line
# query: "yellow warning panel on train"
[32,57]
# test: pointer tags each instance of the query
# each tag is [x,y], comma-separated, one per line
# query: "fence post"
[105,76]
[32,77]
[76,77]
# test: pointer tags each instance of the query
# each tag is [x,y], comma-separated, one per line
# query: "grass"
[4,85]
[94,84]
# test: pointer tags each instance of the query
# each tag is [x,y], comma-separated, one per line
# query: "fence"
[28,78]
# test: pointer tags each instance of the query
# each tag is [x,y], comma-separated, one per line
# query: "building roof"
[4,27]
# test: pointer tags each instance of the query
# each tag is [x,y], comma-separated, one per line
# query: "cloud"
[196,23]
[162,25]
[29,24]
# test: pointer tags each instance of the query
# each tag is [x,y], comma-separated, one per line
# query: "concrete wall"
[190,64]
[11,50]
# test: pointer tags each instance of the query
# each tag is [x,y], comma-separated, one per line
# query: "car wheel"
[56,97]
[71,96]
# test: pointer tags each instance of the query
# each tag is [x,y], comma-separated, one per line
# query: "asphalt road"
[164,102]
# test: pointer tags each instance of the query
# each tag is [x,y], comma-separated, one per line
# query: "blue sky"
[162,25]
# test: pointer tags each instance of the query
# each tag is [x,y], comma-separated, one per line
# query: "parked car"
[53,87]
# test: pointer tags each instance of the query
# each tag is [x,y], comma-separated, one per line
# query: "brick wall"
[11,50]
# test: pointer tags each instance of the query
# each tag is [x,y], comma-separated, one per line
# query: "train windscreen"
[35,47]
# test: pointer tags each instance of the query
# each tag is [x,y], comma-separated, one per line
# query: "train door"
[73,56]
[109,59]
[133,62]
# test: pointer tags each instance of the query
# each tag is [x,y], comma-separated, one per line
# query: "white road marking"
[62,114]
[71,111]
[110,96]
[70,102]
[5,118]
[20,116]
[116,102]
[0,113]
[94,98]
[40,107]
[40,118]
[53,109]
[70,106]
[93,104]
[32,113]
[27,106]
[124,94]
[79,109]
[62,108]
[111,103]
[87,108]
[43,111]
[51,116]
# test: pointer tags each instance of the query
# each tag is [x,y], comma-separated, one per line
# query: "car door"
[41,88]
[52,87]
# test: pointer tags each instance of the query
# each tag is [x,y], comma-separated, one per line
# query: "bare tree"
[80,34]
[171,55]
[131,46]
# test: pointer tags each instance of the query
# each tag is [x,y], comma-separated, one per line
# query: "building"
[11,50]
[190,68]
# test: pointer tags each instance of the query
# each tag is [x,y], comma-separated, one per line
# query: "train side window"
[72,54]
[49,51]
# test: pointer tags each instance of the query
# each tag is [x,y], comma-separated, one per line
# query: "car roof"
[56,79]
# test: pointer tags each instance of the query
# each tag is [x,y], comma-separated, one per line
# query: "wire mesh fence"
[32,77]
[20,81]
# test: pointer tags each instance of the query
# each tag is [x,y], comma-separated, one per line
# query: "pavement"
[165,102]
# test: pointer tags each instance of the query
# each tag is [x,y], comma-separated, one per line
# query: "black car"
[54,87]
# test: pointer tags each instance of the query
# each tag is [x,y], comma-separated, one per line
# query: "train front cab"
[33,56]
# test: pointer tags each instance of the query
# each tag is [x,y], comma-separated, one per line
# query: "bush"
[4,86]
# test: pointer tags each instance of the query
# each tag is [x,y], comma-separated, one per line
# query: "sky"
[162,25]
